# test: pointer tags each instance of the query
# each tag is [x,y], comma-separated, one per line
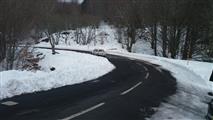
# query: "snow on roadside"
[189,103]
[142,47]
[71,68]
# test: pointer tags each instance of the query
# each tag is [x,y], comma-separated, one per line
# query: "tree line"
[181,28]
[25,20]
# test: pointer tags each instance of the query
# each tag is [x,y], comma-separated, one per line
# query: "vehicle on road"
[99,52]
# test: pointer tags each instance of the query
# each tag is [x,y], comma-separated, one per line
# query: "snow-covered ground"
[189,103]
[142,47]
[110,40]
[69,68]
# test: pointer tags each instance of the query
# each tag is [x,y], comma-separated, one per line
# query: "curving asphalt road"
[130,92]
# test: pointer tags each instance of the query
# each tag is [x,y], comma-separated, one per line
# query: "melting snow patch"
[9,103]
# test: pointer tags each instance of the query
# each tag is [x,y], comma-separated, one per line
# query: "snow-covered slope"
[110,40]
[69,68]
[142,47]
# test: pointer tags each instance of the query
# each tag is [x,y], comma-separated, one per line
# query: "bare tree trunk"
[2,47]
[10,55]
[174,42]
[154,38]
[172,45]
[194,37]
[131,38]
[186,44]
[119,32]
[165,40]
[52,43]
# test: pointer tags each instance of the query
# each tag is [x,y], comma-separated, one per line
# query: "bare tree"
[15,22]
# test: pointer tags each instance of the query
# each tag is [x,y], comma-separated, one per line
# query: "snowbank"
[71,68]
[189,103]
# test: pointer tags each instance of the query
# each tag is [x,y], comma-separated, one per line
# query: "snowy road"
[132,91]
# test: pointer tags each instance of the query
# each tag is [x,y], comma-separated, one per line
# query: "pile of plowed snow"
[70,68]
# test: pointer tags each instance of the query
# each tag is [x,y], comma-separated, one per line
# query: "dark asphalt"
[64,102]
